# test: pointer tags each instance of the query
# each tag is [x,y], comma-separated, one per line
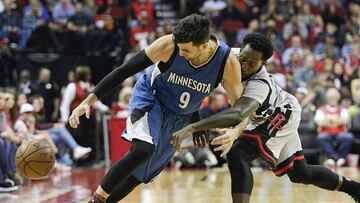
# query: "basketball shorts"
[276,141]
[154,125]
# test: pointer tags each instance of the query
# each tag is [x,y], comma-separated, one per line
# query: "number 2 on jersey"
[184,100]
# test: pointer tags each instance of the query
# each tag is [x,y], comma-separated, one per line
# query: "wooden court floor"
[173,186]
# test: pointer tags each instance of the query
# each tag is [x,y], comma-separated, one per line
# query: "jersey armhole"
[266,104]
[164,66]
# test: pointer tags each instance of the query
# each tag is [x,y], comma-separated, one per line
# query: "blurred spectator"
[79,24]
[327,48]
[139,34]
[121,108]
[272,33]
[306,73]
[25,85]
[306,16]
[295,27]
[341,78]
[75,93]
[354,113]
[355,83]
[296,47]
[35,18]
[332,121]
[273,66]
[62,11]
[49,90]
[212,8]
[104,25]
[334,14]
[6,185]
[91,8]
[253,27]
[141,9]
[10,21]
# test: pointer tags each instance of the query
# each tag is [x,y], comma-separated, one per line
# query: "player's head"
[256,50]
[192,35]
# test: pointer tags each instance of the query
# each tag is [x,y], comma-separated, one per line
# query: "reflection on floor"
[172,186]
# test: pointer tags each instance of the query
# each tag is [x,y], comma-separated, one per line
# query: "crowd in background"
[316,58]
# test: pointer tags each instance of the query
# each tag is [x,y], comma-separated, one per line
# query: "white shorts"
[278,147]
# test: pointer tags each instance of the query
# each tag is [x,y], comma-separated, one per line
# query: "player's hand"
[181,135]
[200,138]
[80,110]
[225,141]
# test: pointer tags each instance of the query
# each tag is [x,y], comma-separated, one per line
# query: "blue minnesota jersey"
[178,84]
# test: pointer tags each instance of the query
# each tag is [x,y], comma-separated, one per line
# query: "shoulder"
[161,49]
[232,64]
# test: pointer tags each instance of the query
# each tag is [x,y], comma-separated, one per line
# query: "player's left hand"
[200,138]
[181,135]
[225,141]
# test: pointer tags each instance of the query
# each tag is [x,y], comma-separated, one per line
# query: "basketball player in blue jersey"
[185,67]
[266,120]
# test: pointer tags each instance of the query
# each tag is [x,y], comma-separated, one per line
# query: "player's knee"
[142,149]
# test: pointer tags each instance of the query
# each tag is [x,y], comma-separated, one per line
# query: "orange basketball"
[35,159]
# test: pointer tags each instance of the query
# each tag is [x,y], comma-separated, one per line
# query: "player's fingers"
[220,140]
[72,122]
[219,148]
[217,140]
[199,142]
[196,141]
[225,151]
[203,141]
[87,112]
[177,143]
[76,118]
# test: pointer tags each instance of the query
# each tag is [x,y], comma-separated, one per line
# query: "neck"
[205,55]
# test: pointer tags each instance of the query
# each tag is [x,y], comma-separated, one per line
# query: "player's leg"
[123,190]
[322,177]
[241,176]
[139,152]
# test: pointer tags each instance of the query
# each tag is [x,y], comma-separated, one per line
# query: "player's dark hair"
[259,43]
[194,28]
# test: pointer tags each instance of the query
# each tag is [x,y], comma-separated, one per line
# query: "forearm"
[229,117]
[225,119]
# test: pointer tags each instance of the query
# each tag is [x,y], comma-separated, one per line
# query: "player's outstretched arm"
[160,50]
[243,107]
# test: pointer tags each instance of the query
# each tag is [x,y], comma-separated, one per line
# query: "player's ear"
[206,44]
[263,63]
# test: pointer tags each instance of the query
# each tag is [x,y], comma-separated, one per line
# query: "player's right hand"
[224,142]
[80,110]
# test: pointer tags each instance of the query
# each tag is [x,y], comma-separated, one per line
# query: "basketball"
[35,159]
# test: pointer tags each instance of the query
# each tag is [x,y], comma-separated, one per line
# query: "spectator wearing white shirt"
[73,95]
[332,121]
